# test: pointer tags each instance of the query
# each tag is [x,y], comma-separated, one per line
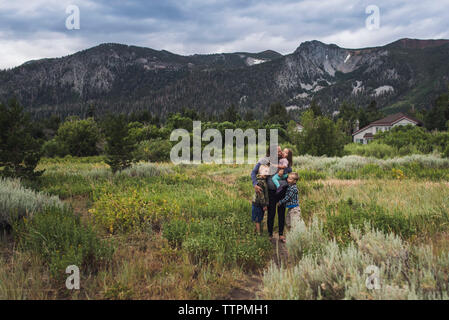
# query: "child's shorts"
[257,214]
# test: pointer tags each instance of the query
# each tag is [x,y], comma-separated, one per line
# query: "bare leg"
[258,228]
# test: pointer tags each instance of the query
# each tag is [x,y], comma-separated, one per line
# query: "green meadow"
[160,231]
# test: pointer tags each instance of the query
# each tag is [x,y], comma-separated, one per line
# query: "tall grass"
[68,179]
[59,237]
[212,225]
[24,277]
[186,232]
[344,214]
[430,167]
[353,162]
[375,150]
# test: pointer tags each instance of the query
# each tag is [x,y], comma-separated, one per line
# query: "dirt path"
[251,288]
[280,253]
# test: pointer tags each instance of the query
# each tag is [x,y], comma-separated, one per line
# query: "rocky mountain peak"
[407,43]
[313,45]
[118,77]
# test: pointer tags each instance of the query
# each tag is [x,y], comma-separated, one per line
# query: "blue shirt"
[291,197]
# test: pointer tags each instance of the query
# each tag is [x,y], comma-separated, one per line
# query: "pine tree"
[437,117]
[91,111]
[373,113]
[249,115]
[231,114]
[277,114]
[119,144]
[20,152]
[315,107]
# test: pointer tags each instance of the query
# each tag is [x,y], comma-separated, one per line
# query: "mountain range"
[120,78]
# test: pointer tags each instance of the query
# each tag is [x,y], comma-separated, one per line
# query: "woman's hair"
[290,157]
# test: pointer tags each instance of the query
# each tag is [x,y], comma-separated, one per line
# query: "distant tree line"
[124,139]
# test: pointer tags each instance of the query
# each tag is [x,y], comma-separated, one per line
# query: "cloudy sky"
[34,29]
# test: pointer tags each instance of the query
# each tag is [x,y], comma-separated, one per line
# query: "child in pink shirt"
[284,162]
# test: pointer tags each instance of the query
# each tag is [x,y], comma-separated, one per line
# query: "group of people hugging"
[275,189]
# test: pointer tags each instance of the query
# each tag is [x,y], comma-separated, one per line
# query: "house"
[299,127]
[366,134]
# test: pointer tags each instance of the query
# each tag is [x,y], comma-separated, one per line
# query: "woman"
[272,196]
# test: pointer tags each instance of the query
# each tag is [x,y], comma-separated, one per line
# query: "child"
[285,162]
[260,200]
[291,201]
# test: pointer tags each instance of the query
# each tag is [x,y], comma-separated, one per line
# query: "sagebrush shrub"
[335,272]
[303,240]
[16,201]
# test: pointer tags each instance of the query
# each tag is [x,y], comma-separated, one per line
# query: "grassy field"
[159,231]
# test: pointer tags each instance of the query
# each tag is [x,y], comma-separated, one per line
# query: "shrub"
[303,240]
[154,150]
[333,272]
[320,136]
[202,248]
[131,210]
[54,148]
[175,232]
[17,201]
[446,152]
[412,139]
[80,137]
[376,150]
[62,240]
[252,253]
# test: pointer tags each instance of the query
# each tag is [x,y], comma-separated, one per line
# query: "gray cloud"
[37,29]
